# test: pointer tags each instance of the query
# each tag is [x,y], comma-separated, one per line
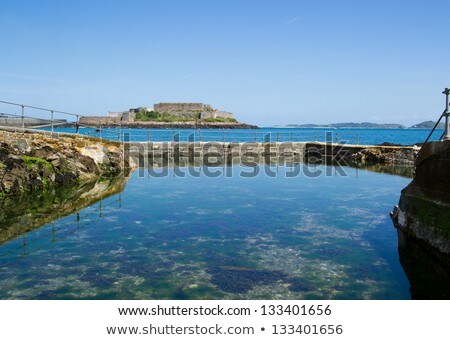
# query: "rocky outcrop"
[32,161]
[362,154]
[424,207]
[385,155]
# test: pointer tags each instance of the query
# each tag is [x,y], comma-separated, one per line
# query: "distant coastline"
[364,125]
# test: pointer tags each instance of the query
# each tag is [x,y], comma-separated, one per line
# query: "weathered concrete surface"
[31,161]
[424,207]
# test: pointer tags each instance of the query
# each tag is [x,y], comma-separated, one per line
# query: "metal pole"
[100,130]
[23,121]
[447,114]
[292,139]
[51,122]
[148,135]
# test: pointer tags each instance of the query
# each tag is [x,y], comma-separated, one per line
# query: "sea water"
[227,237]
[347,135]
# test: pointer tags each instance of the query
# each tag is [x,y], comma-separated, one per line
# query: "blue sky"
[269,62]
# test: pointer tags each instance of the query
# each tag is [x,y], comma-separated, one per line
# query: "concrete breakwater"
[219,153]
[32,160]
[30,122]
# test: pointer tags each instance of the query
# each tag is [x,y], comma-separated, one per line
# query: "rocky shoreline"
[175,125]
[31,161]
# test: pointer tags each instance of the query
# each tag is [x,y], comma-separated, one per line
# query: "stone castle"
[194,110]
[188,109]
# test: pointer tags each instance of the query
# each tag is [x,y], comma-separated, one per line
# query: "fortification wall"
[161,107]
[216,114]
[128,116]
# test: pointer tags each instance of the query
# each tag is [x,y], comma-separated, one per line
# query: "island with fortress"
[169,115]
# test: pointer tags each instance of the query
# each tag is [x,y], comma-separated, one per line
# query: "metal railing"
[446,114]
[53,122]
[121,133]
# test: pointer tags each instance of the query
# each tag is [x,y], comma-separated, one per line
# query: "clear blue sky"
[269,62]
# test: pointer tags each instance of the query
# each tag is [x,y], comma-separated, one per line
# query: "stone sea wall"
[424,207]
[311,152]
[31,161]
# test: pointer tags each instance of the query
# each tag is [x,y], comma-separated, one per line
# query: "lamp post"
[447,114]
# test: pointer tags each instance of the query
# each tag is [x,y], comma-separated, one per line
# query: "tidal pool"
[328,237]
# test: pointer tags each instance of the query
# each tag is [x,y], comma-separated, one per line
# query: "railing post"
[23,121]
[447,114]
[51,122]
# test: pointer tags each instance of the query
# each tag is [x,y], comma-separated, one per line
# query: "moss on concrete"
[431,213]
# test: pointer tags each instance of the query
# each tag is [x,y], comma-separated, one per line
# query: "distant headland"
[169,115]
[367,125]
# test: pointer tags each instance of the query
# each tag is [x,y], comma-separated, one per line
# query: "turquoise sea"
[350,136]
[197,237]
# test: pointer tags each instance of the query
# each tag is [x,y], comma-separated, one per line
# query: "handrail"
[434,128]
[42,109]
[445,114]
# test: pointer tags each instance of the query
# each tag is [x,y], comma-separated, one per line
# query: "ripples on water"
[211,238]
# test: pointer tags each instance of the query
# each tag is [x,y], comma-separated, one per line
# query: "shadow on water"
[427,270]
[391,169]
[21,214]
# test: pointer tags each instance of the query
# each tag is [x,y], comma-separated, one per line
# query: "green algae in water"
[217,238]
